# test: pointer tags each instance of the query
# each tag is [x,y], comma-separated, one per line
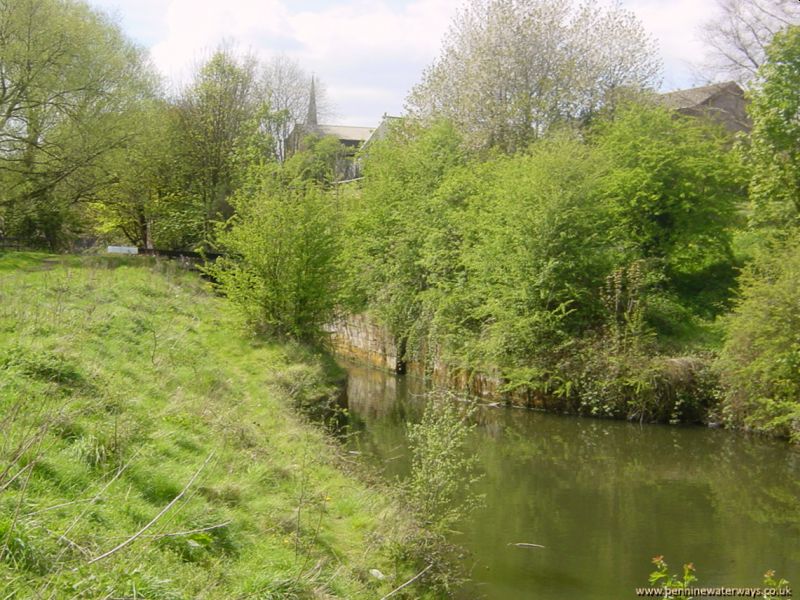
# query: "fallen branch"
[407,583]
[153,521]
[99,494]
[57,506]
[191,531]
[526,545]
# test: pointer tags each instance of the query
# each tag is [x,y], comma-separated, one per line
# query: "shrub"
[442,469]
[760,360]
[280,267]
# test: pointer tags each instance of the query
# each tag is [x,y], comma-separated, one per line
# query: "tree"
[217,114]
[775,140]
[511,69]
[536,249]
[387,229]
[146,203]
[739,35]
[286,87]
[67,79]
[673,185]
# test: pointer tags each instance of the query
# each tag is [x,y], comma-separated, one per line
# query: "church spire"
[311,117]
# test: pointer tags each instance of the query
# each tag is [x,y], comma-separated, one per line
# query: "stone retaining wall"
[359,338]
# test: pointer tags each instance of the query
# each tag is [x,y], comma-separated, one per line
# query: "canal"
[602,497]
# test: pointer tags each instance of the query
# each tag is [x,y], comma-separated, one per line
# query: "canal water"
[602,497]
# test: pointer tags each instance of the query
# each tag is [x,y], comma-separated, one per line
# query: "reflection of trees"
[605,496]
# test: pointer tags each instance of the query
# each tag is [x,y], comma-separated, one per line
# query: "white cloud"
[195,28]
[368,52]
[675,24]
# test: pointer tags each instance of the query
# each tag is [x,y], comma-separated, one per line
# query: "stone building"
[724,103]
[352,138]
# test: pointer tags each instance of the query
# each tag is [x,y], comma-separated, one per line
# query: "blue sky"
[369,53]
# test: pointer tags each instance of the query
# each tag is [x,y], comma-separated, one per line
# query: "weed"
[42,365]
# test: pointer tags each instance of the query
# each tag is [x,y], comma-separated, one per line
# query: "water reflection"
[603,497]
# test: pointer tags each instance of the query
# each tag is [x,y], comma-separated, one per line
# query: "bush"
[760,360]
[672,187]
[442,468]
[280,267]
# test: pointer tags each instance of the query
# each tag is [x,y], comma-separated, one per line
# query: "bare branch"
[740,34]
[407,583]
[155,519]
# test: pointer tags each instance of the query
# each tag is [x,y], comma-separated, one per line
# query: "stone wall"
[359,338]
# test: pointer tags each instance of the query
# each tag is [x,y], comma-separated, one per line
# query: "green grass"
[125,384]
[12,261]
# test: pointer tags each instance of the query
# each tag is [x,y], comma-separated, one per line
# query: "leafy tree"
[673,186]
[387,228]
[535,254]
[760,360]
[68,78]
[215,114]
[511,69]
[143,183]
[491,263]
[775,139]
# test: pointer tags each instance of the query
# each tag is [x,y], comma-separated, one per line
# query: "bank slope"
[132,403]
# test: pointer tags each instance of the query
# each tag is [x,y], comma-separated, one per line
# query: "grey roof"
[381,130]
[346,132]
[682,99]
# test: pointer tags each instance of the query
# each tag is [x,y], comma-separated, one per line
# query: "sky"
[368,53]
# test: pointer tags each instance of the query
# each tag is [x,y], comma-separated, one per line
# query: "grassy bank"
[150,449]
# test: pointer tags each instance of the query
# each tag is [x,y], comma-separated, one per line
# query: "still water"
[602,497]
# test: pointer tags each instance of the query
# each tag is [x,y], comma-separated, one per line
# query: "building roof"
[693,97]
[346,132]
[724,103]
[382,130]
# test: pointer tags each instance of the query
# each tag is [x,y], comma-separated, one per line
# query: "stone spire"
[311,117]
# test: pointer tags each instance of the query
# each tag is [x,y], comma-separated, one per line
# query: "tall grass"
[148,448]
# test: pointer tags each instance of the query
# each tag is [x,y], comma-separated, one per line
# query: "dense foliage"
[515,263]
[775,140]
[281,247]
[760,360]
[92,147]
[70,99]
